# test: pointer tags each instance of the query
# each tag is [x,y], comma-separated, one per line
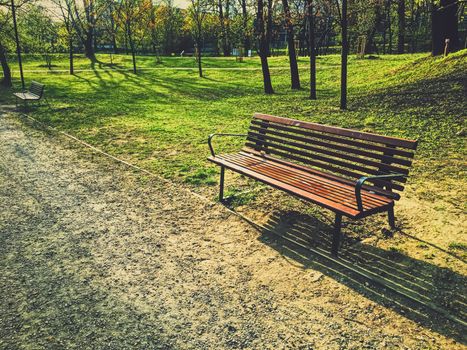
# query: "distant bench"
[350,172]
[35,93]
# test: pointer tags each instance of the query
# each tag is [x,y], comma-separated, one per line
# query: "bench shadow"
[399,280]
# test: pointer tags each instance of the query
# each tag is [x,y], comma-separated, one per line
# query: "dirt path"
[95,256]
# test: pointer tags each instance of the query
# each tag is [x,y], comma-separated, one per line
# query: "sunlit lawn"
[160,118]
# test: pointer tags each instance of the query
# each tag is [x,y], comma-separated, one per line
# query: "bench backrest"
[36,88]
[341,153]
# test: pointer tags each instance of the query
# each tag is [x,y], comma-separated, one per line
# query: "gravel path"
[95,256]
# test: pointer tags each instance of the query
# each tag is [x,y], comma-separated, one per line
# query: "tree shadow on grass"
[444,95]
[441,290]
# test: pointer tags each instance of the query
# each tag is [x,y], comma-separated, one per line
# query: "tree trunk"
[228,47]
[312,49]
[401,26]
[132,46]
[344,56]
[444,26]
[379,19]
[294,75]
[89,39]
[246,38]
[6,81]
[70,47]
[269,29]
[389,26]
[69,29]
[225,50]
[89,46]
[266,75]
[200,66]
[113,29]
[263,49]
[412,28]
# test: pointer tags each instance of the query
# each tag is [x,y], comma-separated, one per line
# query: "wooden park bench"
[353,173]
[35,93]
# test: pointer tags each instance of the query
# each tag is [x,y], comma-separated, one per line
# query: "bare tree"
[263,48]
[224,20]
[312,48]
[269,27]
[294,75]
[133,14]
[65,14]
[83,18]
[342,10]
[246,36]
[198,11]
[401,26]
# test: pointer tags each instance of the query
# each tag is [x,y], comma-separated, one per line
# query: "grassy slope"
[161,118]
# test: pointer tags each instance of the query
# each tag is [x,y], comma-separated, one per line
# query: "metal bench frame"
[34,94]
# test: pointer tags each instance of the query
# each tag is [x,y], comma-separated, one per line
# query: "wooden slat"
[326,166]
[26,96]
[312,156]
[36,88]
[335,190]
[379,165]
[362,152]
[300,192]
[398,142]
[337,139]
[321,174]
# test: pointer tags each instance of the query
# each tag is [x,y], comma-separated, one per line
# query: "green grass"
[458,246]
[160,118]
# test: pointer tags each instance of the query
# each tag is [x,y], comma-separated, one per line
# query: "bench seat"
[27,96]
[314,186]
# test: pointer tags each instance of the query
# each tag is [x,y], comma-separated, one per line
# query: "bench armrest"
[363,179]
[221,134]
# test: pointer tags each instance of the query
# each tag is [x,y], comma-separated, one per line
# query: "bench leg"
[221,185]
[48,104]
[336,238]
[391,221]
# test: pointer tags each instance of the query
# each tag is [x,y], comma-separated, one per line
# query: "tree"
[168,26]
[294,75]
[246,34]
[38,32]
[110,26]
[224,22]
[401,26]
[344,52]
[134,16]
[5,30]
[197,14]
[444,26]
[9,39]
[312,48]
[263,48]
[269,28]
[65,14]
[84,18]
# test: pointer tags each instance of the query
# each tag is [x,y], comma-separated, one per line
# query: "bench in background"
[35,93]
